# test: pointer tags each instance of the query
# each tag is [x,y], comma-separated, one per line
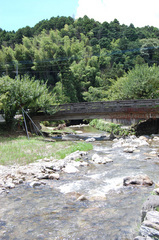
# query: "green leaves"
[142,82]
[23,92]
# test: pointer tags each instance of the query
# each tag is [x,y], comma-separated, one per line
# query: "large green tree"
[23,92]
[142,82]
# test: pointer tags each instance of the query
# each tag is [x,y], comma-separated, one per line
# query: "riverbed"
[108,211]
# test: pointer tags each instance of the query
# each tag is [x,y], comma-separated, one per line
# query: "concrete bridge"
[123,109]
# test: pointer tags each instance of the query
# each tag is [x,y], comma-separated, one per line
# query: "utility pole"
[17,69]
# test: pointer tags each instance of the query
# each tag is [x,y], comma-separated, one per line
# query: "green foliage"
[110,127]
[142,82]
[23,93]
[105,126]
[94,94]
[79,58]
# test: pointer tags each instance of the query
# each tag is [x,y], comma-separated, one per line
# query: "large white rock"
[69,168]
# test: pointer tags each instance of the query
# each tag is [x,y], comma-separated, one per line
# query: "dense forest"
[85,60]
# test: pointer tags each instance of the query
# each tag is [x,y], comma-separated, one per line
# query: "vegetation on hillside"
[79,60]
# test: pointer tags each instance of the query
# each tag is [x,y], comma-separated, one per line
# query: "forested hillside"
[85,60]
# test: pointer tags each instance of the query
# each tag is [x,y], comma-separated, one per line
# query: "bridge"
[123,109]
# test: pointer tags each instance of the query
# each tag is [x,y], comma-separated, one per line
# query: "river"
[110,211]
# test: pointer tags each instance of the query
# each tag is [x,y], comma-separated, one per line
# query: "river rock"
[143,238]
[54,176]
[139,180]
[90,139]
[149,205]
[112,136]
[100,160]
[129,149]
[152,217]
[129,142]
[156,138]
[10,185]
[75,155]
[35,184]
[150,232]
[42,176]
[80,163]
[70,169]
[156,191]
[81,198]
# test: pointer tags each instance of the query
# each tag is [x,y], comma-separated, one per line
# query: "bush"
[110,127]
[23,93]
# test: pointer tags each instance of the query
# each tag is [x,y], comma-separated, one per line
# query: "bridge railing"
[107,106]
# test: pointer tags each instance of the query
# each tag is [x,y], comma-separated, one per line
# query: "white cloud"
[138,12]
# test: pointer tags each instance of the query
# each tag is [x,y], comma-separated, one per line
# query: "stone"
[54,176]
[156,138]
[49,165]
[149,205]
[81,198]
[143,238]
[78,132]
[156,190]
[42,176]
[35,184]
[153,217]
[147,231]
[139,238]
[90,140]
[129,149]
[100,160]
[151,225]
[80,164]
[140,180]
[112,136]
[130,142]
[75,155]
[70,169]
[10,185]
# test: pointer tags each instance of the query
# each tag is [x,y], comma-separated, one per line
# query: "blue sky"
[15,14]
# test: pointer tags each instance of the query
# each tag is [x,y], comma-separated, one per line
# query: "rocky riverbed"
[38,172]
[53,172]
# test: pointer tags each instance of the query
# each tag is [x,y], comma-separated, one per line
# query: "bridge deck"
[124,109]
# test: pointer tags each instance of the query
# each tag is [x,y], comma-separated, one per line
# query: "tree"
[23,93]
[150,50]
[142,82]
[94,94]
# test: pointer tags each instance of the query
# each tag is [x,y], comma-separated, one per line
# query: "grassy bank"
[20,150]
[110,127]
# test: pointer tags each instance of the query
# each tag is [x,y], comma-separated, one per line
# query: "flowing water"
[110,211]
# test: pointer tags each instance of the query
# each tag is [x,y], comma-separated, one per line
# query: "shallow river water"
[111,211]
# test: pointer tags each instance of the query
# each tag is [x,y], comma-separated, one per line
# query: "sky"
[15,14]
